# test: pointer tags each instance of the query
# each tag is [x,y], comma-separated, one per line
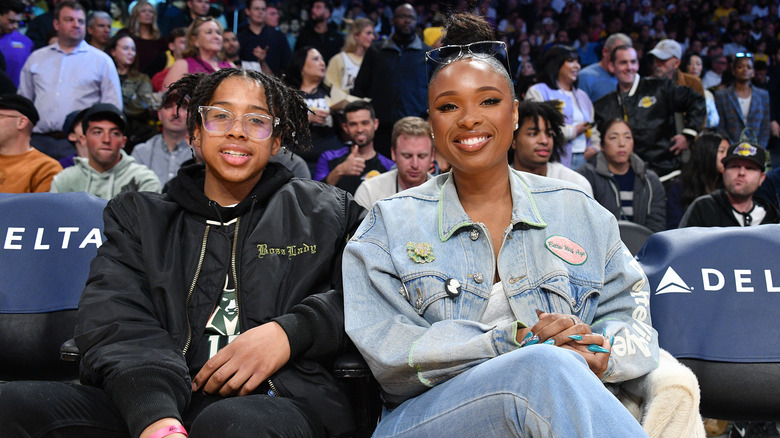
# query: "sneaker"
[754,429]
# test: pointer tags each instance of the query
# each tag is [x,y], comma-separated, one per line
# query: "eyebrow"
[226,103]
[479,90]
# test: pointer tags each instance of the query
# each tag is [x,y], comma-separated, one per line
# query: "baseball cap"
[666,49]
[746,150]
[103,111]
[71,120]
[20,103]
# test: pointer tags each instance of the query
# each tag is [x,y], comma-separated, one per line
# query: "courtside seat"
[715,295]
[48,241]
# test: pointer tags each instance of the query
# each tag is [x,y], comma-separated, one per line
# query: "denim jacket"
[562,253]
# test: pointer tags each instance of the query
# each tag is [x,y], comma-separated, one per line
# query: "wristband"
[169,430]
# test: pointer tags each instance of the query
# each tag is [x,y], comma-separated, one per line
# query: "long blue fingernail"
[550,341]
[533,341]
[528,336]
[612,340]
[597,348]
[575,337]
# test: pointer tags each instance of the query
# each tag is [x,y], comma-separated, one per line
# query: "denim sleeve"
[624,312]
[407,353]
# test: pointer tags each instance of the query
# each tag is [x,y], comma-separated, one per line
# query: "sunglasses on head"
[743,55]
[480,50]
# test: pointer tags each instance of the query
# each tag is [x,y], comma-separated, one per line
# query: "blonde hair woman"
[142,27]
[203,53]
[343,68]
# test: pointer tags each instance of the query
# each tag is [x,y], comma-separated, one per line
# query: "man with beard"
[348,167]
[736,205]
[319,33]
[393,75]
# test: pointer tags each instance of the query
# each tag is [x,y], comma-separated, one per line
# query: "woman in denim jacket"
[491,302]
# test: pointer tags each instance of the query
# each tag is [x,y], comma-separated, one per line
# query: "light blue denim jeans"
[551,393]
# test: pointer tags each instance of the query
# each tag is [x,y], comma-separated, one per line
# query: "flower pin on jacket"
[420,252]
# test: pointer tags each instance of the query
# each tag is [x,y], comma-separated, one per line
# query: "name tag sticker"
[567,250]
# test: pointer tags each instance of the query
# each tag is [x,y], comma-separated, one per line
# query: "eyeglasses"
[218,120]
[481,50]
[743,55]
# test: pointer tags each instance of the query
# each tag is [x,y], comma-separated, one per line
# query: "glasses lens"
[258,126]
[480,50]
[216,120]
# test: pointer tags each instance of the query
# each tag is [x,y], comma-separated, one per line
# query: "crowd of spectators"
[650,99]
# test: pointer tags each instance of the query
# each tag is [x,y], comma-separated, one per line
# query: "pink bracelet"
[169,430]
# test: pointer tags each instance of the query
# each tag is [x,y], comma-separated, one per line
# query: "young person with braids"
[214,309]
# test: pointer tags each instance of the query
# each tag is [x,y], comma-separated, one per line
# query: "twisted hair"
[283,102]
[553,118]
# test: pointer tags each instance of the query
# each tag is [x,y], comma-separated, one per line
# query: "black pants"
[54,409]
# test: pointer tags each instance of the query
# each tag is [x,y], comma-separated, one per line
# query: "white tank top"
[351,69]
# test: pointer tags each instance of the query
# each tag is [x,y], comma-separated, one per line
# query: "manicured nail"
[550,341]
[529,339]
[539,312]
[612,340]
[575,337]
[604,333]
[528,336]
[533,341]
[597,348]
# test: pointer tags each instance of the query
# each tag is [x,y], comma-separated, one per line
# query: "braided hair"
[553,118]
[196,90]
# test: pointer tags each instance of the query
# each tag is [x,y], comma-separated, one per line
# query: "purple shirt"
[16,49]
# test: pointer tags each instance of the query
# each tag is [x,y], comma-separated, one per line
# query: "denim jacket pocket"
[559,294]
[427,294]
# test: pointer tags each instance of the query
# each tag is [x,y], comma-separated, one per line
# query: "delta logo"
[739,280]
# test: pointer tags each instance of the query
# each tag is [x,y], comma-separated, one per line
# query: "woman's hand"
[319,117]
[567,331]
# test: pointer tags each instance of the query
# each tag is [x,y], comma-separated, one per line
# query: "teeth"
[235,154]
[473,140]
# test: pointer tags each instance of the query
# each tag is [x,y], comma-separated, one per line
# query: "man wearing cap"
[736,205]
[165,152]
[66,76]
[667,54]
[108,170]
[23,169]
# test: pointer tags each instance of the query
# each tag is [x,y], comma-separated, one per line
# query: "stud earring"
[517,125]
[431,134]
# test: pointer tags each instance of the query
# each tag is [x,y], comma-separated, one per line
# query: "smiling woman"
[447,309]
[203,53]
[217,303]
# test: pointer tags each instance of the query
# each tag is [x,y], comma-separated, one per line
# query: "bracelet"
[169,430]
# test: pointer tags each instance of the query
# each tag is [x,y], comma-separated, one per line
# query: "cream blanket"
[666,400]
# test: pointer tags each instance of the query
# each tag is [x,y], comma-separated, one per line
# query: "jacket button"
[478,278]
[474,234]
[403,292]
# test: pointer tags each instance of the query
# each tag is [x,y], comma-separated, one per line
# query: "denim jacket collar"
[452,216]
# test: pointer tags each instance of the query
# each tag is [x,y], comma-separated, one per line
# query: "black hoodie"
[156,279]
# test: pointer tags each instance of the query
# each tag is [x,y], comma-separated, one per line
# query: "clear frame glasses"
[218,120]
[479,50]
[743,55]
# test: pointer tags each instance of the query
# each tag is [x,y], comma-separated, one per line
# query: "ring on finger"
[574,320]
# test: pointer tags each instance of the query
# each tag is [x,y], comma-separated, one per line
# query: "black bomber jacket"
[156,279]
